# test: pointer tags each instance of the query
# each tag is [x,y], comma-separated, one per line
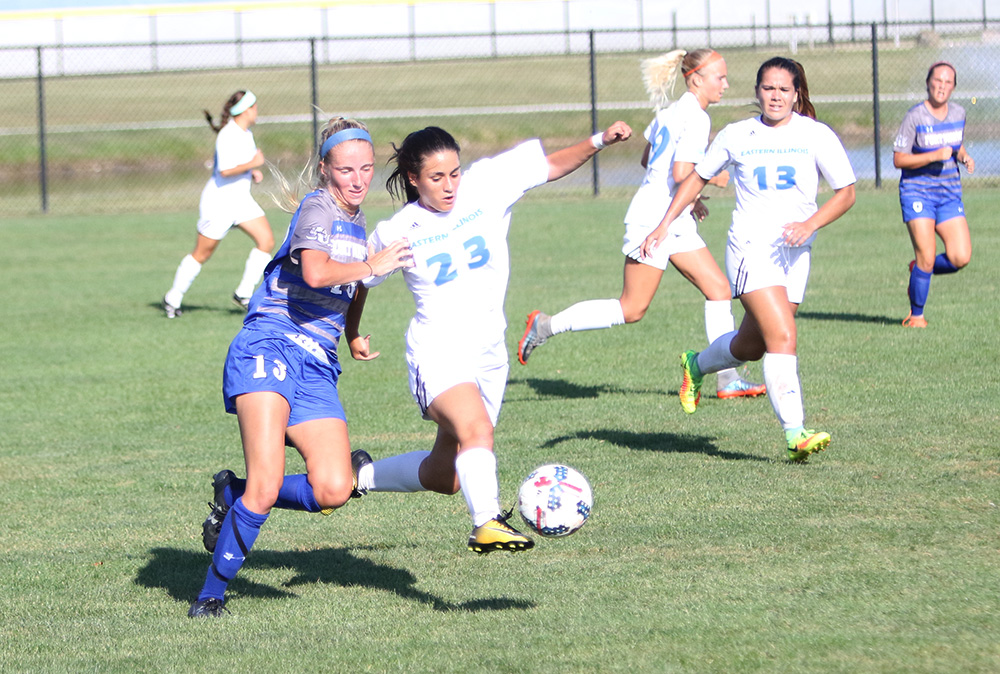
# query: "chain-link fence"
[104,128]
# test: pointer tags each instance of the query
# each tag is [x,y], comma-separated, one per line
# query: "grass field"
[707,552]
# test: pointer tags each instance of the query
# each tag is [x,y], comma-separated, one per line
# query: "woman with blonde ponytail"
[677,138]
[281,371]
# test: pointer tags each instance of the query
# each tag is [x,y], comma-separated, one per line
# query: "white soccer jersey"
[461,258]
[233,146]
[776,171]
[678,133]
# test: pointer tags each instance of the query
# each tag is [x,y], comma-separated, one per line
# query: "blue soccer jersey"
[922,132]
[284,302]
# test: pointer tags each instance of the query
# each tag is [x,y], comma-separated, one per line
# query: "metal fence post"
[593,110]
[43,169]
[315,93]
[875,107]
[708,23]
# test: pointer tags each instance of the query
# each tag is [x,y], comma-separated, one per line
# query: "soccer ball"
[555,500]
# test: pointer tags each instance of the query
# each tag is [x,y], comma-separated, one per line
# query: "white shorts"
[432,372]
[682,237]
[752,266]
[218,213]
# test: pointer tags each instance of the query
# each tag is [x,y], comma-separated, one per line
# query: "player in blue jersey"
[280,376]
[226,203]
[677,138]
[928,148]
[776,160]
[455,345]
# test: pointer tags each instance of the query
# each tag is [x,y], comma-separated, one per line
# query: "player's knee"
[261,496]
[333,493]
[961,260]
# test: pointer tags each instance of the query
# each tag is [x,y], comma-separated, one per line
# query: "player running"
[281,372]
[226,203]
[455,345]
[776,159]
[929,147]
[676,137]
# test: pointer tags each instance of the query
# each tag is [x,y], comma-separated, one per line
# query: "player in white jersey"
[928,148]
[455,343]
[281,371]
[776,160]
[676,137]
[226,203]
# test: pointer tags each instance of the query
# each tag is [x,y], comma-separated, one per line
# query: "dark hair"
[224,117]
[938,64]
[409,158]
[803,106]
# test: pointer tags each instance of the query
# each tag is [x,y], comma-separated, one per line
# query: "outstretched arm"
[565,161]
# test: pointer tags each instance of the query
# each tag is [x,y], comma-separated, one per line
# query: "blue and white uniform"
[677,133]
[289,339]
[459,277]
[776,171]
[933,191]
[226,202]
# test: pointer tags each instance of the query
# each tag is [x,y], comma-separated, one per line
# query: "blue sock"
[297,494]
[234,490]
[920,285]
[942,265]
[239,531]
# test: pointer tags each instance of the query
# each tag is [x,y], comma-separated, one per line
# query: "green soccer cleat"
[498,535]
[806,443]
[690,393]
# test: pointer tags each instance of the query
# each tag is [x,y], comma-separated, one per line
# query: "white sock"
[718,322]
[781,376]
[588,315]
[718,356]
[252,270]
[187,272]
[394,473]
[477,474]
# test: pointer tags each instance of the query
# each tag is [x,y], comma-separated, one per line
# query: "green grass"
[707,552]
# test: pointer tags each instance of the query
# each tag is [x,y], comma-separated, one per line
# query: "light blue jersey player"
[776,161]
[928,148]
[281,372]
[457,228]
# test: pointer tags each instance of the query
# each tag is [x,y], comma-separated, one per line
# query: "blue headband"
[243,104]
[342,136]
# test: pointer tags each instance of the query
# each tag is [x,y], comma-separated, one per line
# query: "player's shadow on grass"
[849,318]
[658,442]
[181,573]
[560,388]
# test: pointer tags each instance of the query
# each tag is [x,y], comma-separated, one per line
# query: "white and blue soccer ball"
[555,500]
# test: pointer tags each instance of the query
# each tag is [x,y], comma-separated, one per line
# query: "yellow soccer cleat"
[806,443]
[498,535]
[690,392]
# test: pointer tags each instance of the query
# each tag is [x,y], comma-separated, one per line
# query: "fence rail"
[118,127]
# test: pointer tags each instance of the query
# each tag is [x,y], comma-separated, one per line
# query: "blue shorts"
[920,206]
[270,361]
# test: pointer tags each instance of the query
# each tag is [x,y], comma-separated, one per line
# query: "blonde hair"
[287,197]
[659,74]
